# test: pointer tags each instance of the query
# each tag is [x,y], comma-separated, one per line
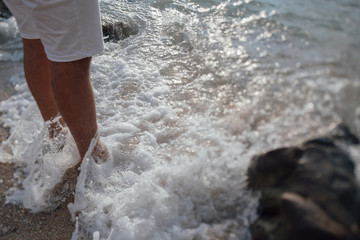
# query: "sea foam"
[183,106]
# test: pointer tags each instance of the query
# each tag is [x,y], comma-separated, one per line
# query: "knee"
[70,74]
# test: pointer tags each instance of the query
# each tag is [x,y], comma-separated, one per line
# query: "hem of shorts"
[29,36]
[70,58]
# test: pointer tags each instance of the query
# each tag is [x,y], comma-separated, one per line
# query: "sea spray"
[162,197]
[46,161]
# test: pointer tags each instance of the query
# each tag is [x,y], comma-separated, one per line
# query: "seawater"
[185,103]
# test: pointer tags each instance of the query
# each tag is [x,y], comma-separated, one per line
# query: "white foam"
[142,202]
[9,40]
[182,107]
[8,29]
[46,161]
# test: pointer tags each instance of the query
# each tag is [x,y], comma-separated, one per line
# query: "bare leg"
[75,100]
[37,74]
[65,87]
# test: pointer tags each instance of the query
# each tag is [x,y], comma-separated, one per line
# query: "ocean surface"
[184,104]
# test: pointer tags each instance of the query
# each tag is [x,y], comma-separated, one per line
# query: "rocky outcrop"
[4,11]
[307,192]
[117,30]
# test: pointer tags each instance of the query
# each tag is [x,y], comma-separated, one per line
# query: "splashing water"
[186,102]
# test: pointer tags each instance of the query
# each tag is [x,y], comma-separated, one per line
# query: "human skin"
[63,88]
[38,77]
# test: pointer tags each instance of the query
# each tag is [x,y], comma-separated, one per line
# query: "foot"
[100,152]
[55,127]
[66,186]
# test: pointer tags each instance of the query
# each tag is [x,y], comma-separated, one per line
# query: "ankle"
[55,127]
[100,152]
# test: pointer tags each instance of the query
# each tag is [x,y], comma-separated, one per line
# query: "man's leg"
[37,74]
[75,100]
[65,87]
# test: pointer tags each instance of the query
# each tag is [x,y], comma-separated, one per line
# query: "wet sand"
[18,223]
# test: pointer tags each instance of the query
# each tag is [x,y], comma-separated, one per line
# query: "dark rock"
[273,167]
[4,11]
[308,190]
[343,134]
[308,220]
[116,30]
[261,228]
[270,201]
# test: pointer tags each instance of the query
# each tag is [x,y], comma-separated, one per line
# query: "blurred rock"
[307,192]
[4,11]
[117,30]
[308,220]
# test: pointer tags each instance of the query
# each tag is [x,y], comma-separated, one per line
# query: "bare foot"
[55,127]
[100,152]
[67,184]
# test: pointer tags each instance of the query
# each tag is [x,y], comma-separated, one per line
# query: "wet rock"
[308,220]
[118,30]
[4,11]
[274,167]
[309,191]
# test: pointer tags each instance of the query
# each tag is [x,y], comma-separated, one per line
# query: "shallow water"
[186,102]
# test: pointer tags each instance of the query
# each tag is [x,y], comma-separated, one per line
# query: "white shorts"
[69,29]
